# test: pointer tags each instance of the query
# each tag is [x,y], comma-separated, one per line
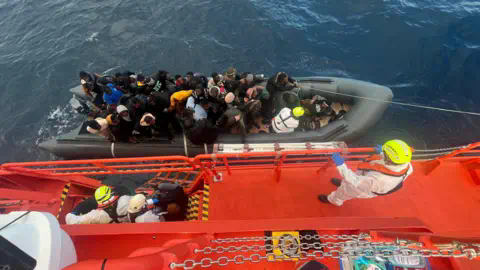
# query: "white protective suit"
[364,184]
[284,122]
[99,216]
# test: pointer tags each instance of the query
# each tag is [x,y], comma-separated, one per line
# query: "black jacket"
[273,86]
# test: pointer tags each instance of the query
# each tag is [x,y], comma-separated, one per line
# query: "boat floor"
[445,200]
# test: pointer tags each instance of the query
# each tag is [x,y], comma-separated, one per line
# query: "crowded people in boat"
[381,175]
[135,108]
[168,203]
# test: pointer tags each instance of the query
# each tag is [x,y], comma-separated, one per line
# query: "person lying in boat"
[112,207]
[171,197]
[100,126]
[287,120]
[318,112]
[382,174]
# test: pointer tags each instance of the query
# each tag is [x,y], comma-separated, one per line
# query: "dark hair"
[83,74]
[140,78]
[177,76]
[190,73]
[115,117]
[281,76]
[199,86]
[103,81]
[94,124]
[148,119]
[136,100]
[214,74]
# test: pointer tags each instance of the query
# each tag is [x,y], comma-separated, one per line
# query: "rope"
[11,222]
[433,154]
[398,103]
[440,149]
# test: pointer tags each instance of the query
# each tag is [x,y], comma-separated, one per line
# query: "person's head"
[249,78]
[137,203]
[105,197]
[231,73]
[397,152]
[123,112]
[149,81]
[108,90]
[113,119]
[229,98]
[136,102]
[282,78]
[214,92]
[216,77]
[140,80]
[147,120]
[93,127]
[199,90]
[189,75]
[83,75]
[298,112]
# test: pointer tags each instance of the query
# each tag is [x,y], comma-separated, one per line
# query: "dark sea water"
[426,51]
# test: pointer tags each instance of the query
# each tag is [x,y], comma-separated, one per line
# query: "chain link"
[301,237]
[356,248]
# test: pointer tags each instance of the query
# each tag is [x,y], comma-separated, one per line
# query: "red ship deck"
[445,200]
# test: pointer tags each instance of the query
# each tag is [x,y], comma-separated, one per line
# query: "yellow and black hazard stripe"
[66,188]
[205,202]
[192,207]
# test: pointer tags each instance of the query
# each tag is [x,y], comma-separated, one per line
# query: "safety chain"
[304,246]
[336,251]
[300,237]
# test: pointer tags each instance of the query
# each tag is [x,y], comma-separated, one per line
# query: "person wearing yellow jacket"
[381,175]
[179,97]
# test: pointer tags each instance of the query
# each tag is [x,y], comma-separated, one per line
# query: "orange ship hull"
[259,194]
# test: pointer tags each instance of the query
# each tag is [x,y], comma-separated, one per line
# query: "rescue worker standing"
[383,174]
[112,208]
[287,120]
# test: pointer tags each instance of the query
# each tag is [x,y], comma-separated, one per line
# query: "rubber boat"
[248,210]
[363,114]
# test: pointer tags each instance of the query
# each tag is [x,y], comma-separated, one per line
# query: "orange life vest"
[366,166]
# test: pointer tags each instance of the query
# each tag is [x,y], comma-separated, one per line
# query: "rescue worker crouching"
[383,174]
[140,212]
[287,120]
[111,208]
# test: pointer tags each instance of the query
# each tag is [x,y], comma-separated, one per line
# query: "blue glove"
[378,149]
[337,159]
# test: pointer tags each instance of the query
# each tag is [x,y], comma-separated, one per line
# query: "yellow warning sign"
[286,244]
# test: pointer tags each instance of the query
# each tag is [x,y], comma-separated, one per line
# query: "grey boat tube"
[362,115]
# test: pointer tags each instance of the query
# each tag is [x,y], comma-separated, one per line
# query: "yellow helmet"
[398,151]
[298,111]
[103,194]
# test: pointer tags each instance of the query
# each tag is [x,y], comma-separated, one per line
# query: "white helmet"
[137,203]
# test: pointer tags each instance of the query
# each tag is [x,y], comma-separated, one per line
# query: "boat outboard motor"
[79,106]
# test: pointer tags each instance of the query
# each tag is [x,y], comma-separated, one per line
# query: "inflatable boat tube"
[363,114]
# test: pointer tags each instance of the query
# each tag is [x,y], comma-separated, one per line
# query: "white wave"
[92,37]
